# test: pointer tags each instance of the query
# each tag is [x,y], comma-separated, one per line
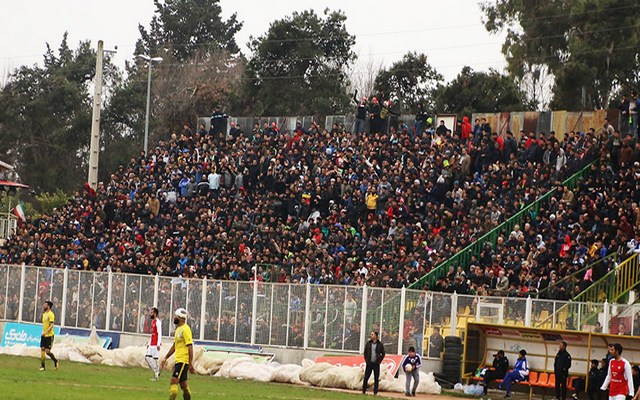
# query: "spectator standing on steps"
[561,368]
[218,127]
[436,344]
[373,356]
[361,112]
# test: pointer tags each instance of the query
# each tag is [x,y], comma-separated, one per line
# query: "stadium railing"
[608,290]
[544,292]
[331,318]
[615,284]
[463,257]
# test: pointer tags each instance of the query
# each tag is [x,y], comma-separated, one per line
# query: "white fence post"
[403,298]
[326,316]
[23,277]
[454,314]
[107,323]
[363,319]
[528,311]
[65,293]
[254,311]
[203,308]
[156,290]
[307,317]
[605,322]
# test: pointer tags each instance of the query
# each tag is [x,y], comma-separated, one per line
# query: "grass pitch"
[20,379]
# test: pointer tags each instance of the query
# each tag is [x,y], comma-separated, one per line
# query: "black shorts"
[180,371]
[46,342]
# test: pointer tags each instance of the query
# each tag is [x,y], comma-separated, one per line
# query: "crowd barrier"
[323,317]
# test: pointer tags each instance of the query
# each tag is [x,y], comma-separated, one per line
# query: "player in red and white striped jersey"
[619,378]
[153,348]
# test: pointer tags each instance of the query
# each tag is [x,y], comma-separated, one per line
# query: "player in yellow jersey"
[183,348]
[46,340]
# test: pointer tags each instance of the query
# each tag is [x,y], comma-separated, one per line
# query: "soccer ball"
[408,368]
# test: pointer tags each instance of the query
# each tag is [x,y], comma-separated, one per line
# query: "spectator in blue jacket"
[519,373]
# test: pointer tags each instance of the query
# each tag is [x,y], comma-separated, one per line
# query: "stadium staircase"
[544,293]
[463,257]
[613,288]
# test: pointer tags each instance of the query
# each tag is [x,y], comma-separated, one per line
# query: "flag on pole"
[19,212]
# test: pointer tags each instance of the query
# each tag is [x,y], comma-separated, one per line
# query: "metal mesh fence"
[336,320]
[71,306]
[374,310]
[29,302]
[352,312]
[57,290]
[542,314]
[390,319]
[415,320]
[13,292]
[243,312]
[117,302]
[228,311]
[132,293]
[4,290]
[165,299]
[99,290]
[333,320]
[318,316]
[264,310]
[213,300]
[296,322]
[194,306]
[515,310]
[284,309]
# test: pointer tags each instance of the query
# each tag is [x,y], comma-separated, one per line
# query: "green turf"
[20,379]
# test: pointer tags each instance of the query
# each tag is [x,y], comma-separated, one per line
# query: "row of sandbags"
[309,373]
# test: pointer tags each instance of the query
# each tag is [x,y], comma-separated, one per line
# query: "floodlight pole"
[94,149]
[150,60]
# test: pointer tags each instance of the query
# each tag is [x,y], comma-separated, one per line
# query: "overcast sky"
[449,32]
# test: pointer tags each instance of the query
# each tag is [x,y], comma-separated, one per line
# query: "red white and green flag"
[19,212]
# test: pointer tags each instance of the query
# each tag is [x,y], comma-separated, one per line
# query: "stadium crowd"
[337,205]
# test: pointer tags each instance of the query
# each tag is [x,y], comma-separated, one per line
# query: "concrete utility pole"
[150,60]
[94,149]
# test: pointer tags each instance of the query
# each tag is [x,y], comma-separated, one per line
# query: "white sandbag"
[327,375]
[77,357]
[427,383]
[288,373]
[229,365]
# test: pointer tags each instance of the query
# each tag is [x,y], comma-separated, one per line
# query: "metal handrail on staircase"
[567,278]
[464,256]
[611,287]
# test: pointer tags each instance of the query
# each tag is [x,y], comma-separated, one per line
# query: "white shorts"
[618,397]
[152,351]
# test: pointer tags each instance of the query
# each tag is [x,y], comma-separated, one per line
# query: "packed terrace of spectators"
[328,205]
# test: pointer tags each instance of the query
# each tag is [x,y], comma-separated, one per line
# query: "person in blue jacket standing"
[519,373]
[414,361]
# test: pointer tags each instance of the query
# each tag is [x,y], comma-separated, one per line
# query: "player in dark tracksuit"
[561,368]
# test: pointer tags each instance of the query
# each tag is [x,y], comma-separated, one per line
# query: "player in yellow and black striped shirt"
[183,348]
[46,340]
